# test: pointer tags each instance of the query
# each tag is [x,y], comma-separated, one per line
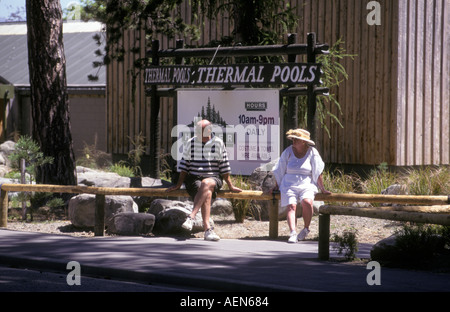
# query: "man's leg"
[202,201]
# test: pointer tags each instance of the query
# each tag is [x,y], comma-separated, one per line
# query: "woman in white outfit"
[298,175]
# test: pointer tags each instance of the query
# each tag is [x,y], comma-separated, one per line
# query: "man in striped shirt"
[203,166]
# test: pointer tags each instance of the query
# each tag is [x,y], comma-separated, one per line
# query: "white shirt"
[293,172]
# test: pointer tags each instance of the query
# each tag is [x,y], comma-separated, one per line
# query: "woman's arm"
[321,186]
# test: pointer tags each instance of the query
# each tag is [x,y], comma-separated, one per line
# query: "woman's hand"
[321,186]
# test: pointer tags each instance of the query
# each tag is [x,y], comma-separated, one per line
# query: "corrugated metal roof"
[79,48]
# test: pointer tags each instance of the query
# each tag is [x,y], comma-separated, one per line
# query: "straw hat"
[301,135]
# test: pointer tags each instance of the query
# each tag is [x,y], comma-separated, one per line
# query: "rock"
[6,149]
[384,250]
[170,215]
[395,189]
[408,249]
[130,223]
[221,206]
[262,179]
[90,177]
[82,208]
[4,170]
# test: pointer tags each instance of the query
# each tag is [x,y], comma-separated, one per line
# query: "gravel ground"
[368,230]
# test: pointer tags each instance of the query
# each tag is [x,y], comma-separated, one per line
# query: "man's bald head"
[205,127]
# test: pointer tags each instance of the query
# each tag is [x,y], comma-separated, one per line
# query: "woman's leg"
[291,216]
[307,211]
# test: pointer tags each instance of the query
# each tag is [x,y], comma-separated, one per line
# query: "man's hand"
[234,189]
[173,188]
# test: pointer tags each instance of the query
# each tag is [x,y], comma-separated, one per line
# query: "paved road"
[227,265]
[32,280]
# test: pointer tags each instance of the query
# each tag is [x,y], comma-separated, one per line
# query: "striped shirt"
[205,159]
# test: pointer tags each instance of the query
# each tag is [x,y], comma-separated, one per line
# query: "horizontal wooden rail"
[387,199]
[433,215]
[162,192]
[257,195]
[418,214]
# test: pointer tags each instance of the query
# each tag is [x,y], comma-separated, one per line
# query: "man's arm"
[226,177]
[181,178]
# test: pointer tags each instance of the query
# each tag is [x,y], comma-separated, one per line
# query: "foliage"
[135,154]
[131,167]
[339,182]
[429,181]
[416,245]
[379,179]
[55,202]
[347,243]
[27,149]
[255,22]
[240,206]
[151,17]
[122,170]
[93,158]
[334,74]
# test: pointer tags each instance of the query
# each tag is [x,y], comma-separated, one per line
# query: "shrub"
[122,170]
[428,181]
[417,246]
[379,179]
[240,206]
[27,149]
[347,243]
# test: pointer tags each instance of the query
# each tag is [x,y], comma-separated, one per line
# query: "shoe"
[188,224]
[303,234]
[211,236]
[293,238]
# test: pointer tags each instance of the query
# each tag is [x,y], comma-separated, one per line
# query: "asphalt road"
[28,280]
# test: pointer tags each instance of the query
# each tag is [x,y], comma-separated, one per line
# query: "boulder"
[82,208]
[221,206]
[130,223]
[171,214]
[92,177]
[384,250]
[6,149]
[395,189]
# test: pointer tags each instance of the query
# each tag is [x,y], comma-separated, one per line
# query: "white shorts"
[290,196]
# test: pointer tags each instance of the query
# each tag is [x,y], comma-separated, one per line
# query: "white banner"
[246,119]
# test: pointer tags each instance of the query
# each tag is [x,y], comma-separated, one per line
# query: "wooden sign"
[235,74]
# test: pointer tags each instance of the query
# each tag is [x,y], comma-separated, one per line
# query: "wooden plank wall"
[423,83]
[395,104]
[367,103]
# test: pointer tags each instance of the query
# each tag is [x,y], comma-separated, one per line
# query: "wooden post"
[311,119]
[273,217]
[292,109]
[23,181]
[324,236]
[4,209]
[99,227]
[154,119]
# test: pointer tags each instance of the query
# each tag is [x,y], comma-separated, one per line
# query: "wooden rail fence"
[426,209]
